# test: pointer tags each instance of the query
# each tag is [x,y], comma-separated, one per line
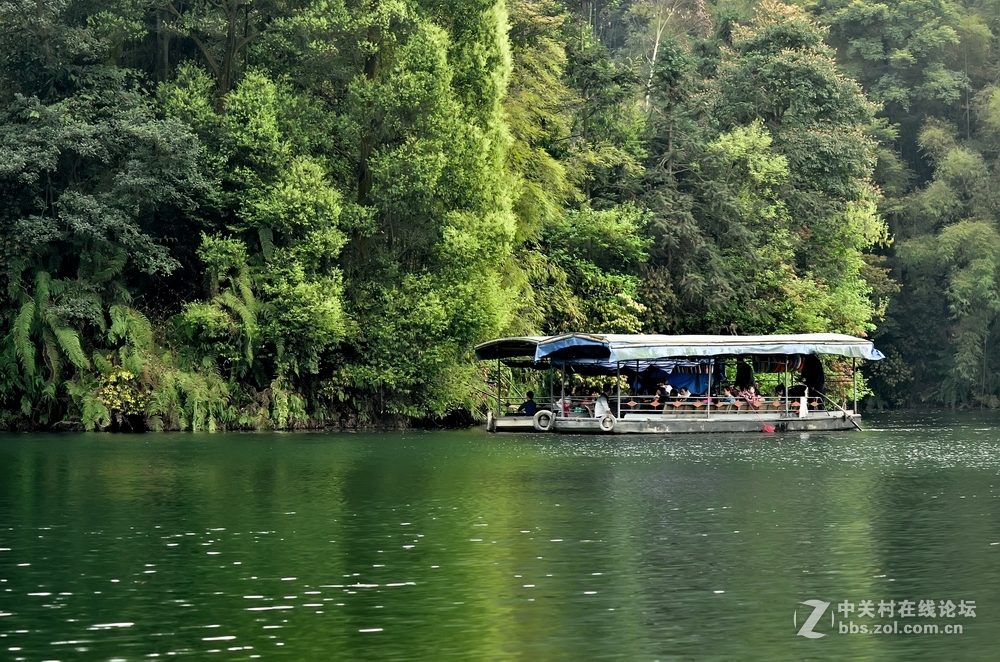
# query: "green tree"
[279,302]
[600,253]
[762,186]
[95,186]
[444,207]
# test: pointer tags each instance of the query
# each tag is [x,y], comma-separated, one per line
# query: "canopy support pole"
[618,387]
[499,385]
[564,408]
[552,388]
[788,360]
[711,370]
[854,375]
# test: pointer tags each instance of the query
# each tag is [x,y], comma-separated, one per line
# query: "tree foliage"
[270,214]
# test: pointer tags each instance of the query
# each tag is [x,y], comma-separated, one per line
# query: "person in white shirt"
[602,406]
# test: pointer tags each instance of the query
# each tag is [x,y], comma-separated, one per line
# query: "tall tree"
[766,215]
[97,189]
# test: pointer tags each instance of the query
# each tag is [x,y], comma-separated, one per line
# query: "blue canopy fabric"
[697,383]
[604,366]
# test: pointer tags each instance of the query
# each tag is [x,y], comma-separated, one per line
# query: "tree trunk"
[229,55]
[661,25]
[163,48]
[367,140]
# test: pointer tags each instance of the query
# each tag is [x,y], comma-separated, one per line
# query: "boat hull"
[689,424]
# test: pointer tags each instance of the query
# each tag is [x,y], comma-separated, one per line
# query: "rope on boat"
[850,418]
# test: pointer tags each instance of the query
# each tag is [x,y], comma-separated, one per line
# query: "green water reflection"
[463,545]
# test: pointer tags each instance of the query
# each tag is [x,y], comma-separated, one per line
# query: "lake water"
[463,545]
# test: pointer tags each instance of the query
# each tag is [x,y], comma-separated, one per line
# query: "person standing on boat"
[529,406]
[744,376]
[812,374]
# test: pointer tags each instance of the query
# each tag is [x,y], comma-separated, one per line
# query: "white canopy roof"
[622,348]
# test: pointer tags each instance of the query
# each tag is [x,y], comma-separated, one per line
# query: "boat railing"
[509,406]
[645,405]
[576,406]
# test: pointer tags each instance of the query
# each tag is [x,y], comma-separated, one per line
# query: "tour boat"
[636,365]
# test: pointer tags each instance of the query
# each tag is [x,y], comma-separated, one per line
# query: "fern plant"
[223,329]
[39,331]
[85,392]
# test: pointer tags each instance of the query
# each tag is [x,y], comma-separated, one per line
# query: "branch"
[247,39]
[169,6]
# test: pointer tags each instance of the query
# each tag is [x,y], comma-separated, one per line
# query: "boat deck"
[692,422]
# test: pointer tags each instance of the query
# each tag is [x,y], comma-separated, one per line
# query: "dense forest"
[290,213]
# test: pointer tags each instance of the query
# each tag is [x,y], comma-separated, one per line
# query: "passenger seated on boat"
[660,399]
[529,406]
[750,395]
[779,396]
[728,397]
[602,406]
[682,397]
[578,401]
[563,406]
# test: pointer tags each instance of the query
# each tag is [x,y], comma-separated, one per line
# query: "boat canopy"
[623,348]
[509,348]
